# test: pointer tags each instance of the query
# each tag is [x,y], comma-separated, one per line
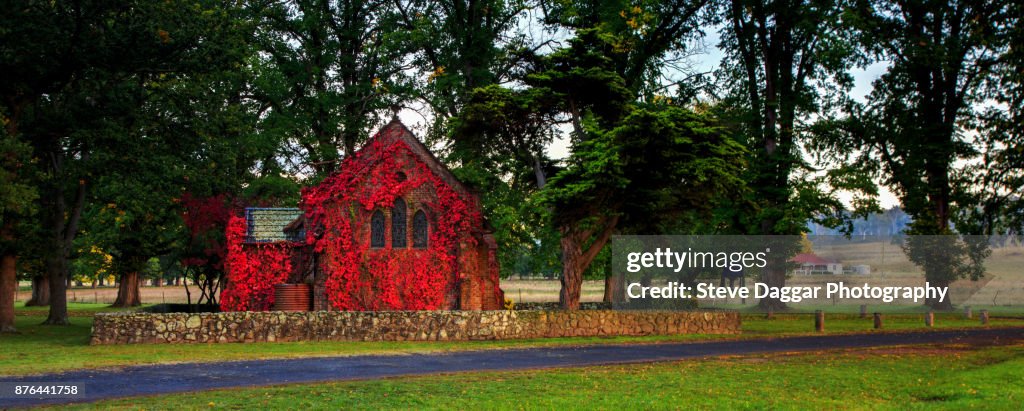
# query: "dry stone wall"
[229,327]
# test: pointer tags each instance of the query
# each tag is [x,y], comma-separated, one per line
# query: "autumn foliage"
[252,269]
[338,213]
[362,278]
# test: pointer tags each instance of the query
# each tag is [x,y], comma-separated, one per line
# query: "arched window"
[377,229]
[398,224]
[419,230]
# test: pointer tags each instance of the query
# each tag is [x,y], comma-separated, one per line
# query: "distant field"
[107,295]
[519,290]
[1002,286]
[539,291]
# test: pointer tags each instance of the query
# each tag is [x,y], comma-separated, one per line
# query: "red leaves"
[358,277]
[252,269]
[205,218]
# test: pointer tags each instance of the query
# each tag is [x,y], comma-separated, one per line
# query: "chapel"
[391,229]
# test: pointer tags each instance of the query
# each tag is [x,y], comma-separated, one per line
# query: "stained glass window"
[398,224]
[419,230]
[377,229]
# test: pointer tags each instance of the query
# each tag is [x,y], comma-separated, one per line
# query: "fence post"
[878,321]
[819,320]
[984,317]
[929,319]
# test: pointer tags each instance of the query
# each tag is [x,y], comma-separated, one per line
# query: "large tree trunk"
[56,271]
[40,292]
[8,288]
[128,290]
[774,276]
[56,268]
[8,279]
[576,257]
[614,287]
[61,224]
[934,303]
[609,285]
[572,273]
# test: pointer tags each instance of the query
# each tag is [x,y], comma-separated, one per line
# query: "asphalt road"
[175,378]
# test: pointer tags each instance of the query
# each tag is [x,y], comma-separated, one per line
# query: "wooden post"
[984,317]
[878,321]
[863,311]
[819,321]
[929,319]
[967,312]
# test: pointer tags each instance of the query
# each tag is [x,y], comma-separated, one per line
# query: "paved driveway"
[173,378]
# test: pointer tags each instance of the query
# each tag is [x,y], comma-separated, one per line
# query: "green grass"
[32,350]
[940,377]
[1017,310]
[74,309]
[793,324]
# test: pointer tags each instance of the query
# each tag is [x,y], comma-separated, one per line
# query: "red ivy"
[360,278]
[252,269]
[206,219]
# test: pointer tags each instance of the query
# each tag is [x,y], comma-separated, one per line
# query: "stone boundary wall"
[229,327]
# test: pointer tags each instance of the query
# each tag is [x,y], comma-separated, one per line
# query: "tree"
[131,218]
[16,199]
[782,55]
[608,83]
[462,52]
[654,163]
[928,124]
[462,45]
[206,220]
[331,68]
[499,140]
[73,71]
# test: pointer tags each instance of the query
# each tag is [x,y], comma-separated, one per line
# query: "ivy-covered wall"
[389,183]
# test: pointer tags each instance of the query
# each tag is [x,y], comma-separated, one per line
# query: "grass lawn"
[937,377]
[32,350]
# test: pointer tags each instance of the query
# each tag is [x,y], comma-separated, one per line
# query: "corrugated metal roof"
[266,225]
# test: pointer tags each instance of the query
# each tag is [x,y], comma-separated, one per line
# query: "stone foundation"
[227,327]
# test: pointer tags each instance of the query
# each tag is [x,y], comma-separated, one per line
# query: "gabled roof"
[396,131]
[810,258]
